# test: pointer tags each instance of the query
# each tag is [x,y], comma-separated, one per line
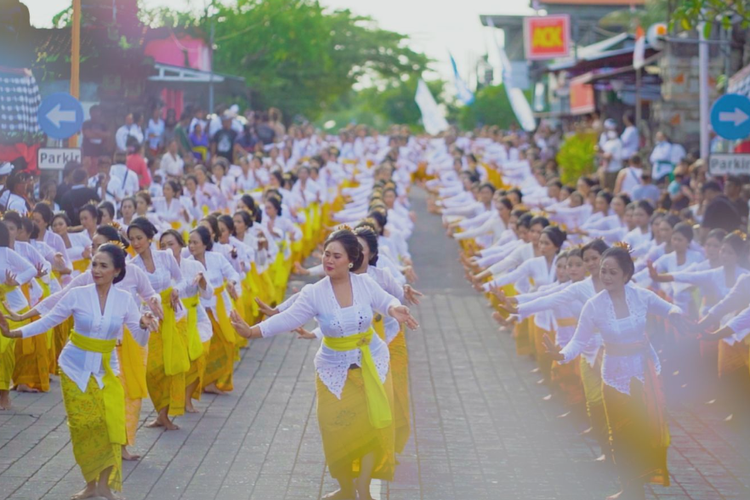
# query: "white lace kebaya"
[599,315]
[319,301]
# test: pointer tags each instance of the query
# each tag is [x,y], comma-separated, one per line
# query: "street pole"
[703,90]
[75,59]
[638,98]
[211,56]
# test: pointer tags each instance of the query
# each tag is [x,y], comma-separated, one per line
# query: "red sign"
[581,96]
[547,37]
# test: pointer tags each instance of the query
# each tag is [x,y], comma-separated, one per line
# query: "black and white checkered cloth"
[19,103]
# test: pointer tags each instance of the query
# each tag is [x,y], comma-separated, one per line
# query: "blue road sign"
[60,115]
[730,116]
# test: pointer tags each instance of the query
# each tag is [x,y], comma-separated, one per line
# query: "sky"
[434,26]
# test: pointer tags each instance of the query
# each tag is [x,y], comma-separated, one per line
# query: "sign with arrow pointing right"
[730,116]
[60,115]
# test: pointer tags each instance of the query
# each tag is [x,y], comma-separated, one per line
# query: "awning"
[178,74]
[739,83]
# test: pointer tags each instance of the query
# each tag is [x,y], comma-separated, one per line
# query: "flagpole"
[638,98]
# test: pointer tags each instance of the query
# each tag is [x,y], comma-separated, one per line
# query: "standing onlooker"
[630,138]
[155,133]
[720,211]
[129,129]
[67,180]
[275,122]
[199,143]
[611,159]
[629,177]
[78,195]
[172,163]
[647,190]
[733,191]
[126,178]
[137,163]
[222,143]
[665,156]
[95,137]
[264,131]
[182,135]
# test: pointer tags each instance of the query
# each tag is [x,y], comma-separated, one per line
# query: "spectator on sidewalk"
[172,164]
[78,196]
[129,129]
[137,163]
[96,138]
[155,133]
[720,210]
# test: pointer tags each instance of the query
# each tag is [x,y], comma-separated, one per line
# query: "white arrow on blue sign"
[730,116]
[60,115]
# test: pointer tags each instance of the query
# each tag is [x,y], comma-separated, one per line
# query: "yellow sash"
[195,346]
[5,342]
[563,322]
[112,393]
[132,367]
[175,351]
[378,406]
[227,330]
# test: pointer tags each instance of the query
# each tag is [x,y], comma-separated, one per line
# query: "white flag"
[639,50]
[462,90]
[432,116]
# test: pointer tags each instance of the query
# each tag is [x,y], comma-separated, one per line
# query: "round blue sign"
[730,117]
[60,115]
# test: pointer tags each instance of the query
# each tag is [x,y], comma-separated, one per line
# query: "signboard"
[546,37]
[730,116]
[729,164]
[60,115]
[581,96]
[56,158]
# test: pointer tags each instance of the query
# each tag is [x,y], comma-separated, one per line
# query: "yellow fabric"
[195,346]
[165,391]
[4,341]
[222,318]
[87,420]
[132,367]
[219,359]
[81,265]
[378,406]
[113,394]
[175,351]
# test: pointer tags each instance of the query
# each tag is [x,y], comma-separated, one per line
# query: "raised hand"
[155,305]
[149,322]
[402,315]
[40,270]
[552,349]
[232,291]
[304,334]
[265,308]
[200,280]
[299,269]
[412,295]
[10,278]
[242,328]
[13,315]
[175,300]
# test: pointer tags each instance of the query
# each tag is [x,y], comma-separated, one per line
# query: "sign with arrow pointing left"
[60,115]
[730,117]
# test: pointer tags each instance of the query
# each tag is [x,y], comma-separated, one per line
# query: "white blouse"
[190,269]
[318,301]
[599,315]
[83,304]
[166,273]
[24,271]
[218,269]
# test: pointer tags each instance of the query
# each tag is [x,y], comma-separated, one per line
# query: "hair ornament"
[115,225]
[739,233]
[624,245]
[117,243]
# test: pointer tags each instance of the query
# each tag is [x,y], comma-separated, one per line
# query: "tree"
[490,107]
[689,14]
[296,55]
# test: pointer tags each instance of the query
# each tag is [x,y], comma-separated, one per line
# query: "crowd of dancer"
[153,293]
[591,284]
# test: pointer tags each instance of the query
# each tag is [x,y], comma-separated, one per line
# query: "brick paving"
[482,428]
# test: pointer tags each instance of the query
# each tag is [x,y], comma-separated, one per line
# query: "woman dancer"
[352,364]
[92,393]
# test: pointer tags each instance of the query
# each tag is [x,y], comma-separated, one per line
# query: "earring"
[351,265]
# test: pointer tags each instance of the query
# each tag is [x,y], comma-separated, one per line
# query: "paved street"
[482,428]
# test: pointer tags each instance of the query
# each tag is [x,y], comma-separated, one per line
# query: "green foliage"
[296,55]
[655,11]
[490,107]
[689,14]
[576,156]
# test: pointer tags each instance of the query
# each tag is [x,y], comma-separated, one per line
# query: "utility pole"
[75,59]
[703,89]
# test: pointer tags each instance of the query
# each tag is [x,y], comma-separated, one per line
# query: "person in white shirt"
[629,138]
[155,132]
[611,160]
[172,164]
[129,129]
[609,124]
[122,179]
[665,156]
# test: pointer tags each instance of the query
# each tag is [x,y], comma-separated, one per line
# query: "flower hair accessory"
[117,243]
[115,224]
[739,233]
[624,245]
[344,227]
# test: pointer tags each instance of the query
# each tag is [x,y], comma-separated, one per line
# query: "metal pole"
[211,74]
[638,103]
[75,59]
[703,91]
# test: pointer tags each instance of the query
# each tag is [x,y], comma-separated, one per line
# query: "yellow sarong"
[195,346]
[378,405]
[112,392]
[175,351]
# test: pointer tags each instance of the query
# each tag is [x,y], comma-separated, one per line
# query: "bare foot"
[364,495]
[105,492]
[89,491]
[339,495]
[163,422]
[155,423]
[189,408]
[212,389]
[129,457]
[26,388]
[5,403]
[171,426]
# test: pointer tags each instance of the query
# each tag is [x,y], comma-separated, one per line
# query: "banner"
[432,116]
[462,90]
[639,50]
[546,37]
[518,102]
